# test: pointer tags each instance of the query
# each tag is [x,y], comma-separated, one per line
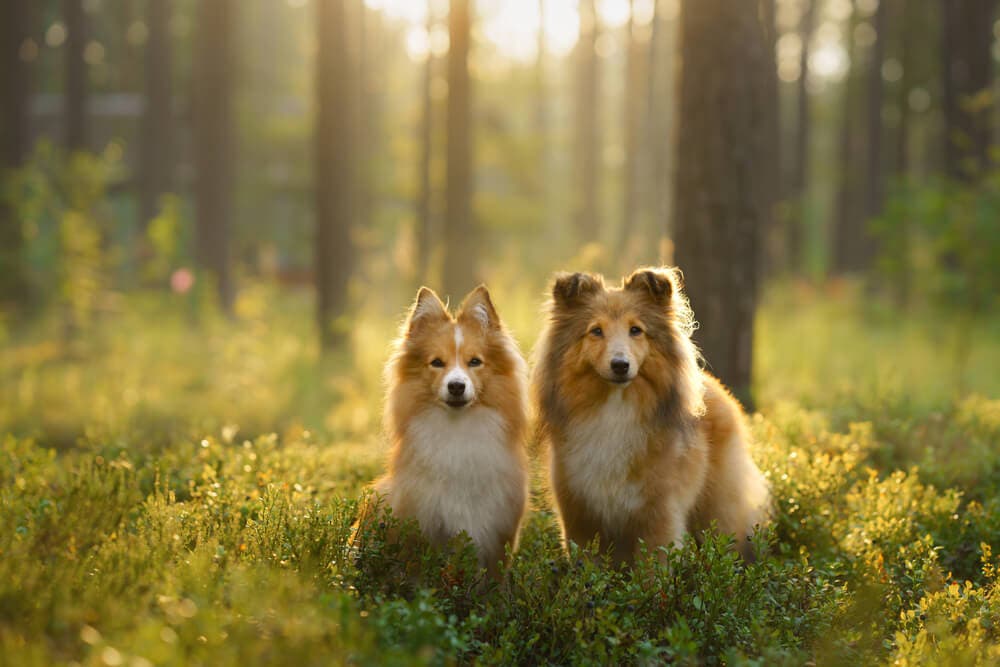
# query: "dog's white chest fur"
[598,457]
[464,476]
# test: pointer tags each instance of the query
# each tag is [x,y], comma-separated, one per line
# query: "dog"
[644,445]
[456,419]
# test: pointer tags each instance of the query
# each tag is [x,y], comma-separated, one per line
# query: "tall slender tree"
[214,142]
[15,22]
[720,201]
[769,253]
[848,228]
[425,222]
[77,75]
[875,178]
[334,155]
[630,122]
[651,152]
[799,175]
[966,42]
[906,56]
[460,233]
[157,118]
[588,134]
[542,123]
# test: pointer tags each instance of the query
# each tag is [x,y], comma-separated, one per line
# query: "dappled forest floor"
[178,494]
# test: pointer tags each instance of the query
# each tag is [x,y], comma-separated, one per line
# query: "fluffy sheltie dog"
[644,445]
[455,415]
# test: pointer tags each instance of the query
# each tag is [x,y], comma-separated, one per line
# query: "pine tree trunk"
[157,120]
[213,142]
[966,32]
[542,128]
[769,248]
[799,177]
[848,227]
[901,164]
[460,238]
[425,231]
[652,186]
[588,135]
[15,21]
[75,114]
[630,120]
[875,181]
[333,183]
[720,201]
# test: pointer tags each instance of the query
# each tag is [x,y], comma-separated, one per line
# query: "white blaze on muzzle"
[456,386]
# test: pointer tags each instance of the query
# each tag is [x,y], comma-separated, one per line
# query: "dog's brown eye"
[634,331]
[475,361]
[437,363]
[597,331]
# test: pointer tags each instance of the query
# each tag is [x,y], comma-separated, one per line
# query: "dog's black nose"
[619,366]
[456,388]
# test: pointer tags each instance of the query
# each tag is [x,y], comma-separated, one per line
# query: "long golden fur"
[644,445]
[457,463]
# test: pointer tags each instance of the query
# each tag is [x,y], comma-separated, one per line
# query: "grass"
[172,494]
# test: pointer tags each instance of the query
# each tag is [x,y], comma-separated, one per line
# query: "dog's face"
[613,327]
[455,359]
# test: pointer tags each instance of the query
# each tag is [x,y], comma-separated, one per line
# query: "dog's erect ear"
[570,289]
[657,283]
[478,307]
[427,308]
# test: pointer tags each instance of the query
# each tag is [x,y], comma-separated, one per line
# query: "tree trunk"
[966,42]
[769,248]
[425,222]
[213,142]
[157,120]
[799,178]
[334,155]
[848,228]
[588,135]
[901,163]
[652,185]
[460,238]
[77,134]
[542,128]
[720,201]
[630,121]
[875,178]
[15,21]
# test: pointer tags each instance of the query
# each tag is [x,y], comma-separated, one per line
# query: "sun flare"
[511,25]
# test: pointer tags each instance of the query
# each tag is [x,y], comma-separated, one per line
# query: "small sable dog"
[644,444]
[456,418]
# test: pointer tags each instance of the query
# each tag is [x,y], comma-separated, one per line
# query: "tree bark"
[15,28]
[75,112]
[213,142]
[460,238]
[875,193]
[720,203]
[588,135]
[157,119]
[769,248]
[967,68]
[653,186]
[334,155]
[799,177]
[630,121]
[848,228]
[425,231]
[542,129]
[901,164]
